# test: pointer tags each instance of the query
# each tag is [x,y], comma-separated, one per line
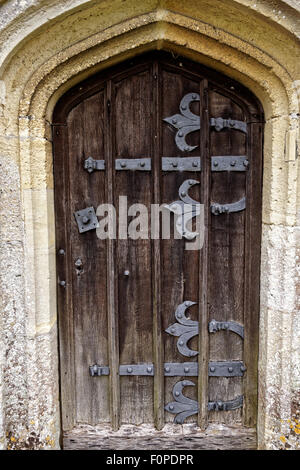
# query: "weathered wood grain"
[139,438]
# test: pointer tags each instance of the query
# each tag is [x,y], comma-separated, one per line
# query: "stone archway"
[79,43]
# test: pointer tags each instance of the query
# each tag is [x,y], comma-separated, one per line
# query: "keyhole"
[79,266]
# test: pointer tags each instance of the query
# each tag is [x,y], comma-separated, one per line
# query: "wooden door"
[152,129]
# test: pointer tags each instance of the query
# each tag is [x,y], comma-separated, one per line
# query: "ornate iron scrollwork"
[183,406]
[185,209]
[185,329]
[186,122]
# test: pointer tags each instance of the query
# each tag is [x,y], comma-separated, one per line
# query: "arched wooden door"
[148,330]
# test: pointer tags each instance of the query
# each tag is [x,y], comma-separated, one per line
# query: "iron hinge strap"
[219,123]
[90,164]
[233,326]
[225,405]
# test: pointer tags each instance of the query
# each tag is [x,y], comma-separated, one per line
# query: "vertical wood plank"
[252,273]
[156,281]
[203,266]
[112,309]
[64,295]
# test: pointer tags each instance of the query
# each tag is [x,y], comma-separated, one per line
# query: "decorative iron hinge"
[133,164]
[91,165]
[185,329]
[229,163]
[86,219]
[183,407]
[218,209]
[181,164]
[219,123]
[185,123]
[185,209]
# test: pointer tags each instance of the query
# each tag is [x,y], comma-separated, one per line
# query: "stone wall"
[48,46]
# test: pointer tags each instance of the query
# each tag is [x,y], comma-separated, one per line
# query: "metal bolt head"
[232,163]
[123,164]
[186,369]
[243,369]
[183,107]
[195,164]
[194,96]
[142,164]
[174,164]
[167,369]
[129,369]
[62,283]
[177,394]
[62,252]
[149,369]
[180,134]
[220,404]
[171,407]
[230,369]
[181,343]
[85,219]
[78,263]
[126,272]
[174,121]
[179,315]
[246,163]
[183,194]
[216,163]
[212,369]
[172,330]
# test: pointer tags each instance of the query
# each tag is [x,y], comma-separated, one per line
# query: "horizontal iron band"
[181,164]
[229,163]
[176,369]
[133,164]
